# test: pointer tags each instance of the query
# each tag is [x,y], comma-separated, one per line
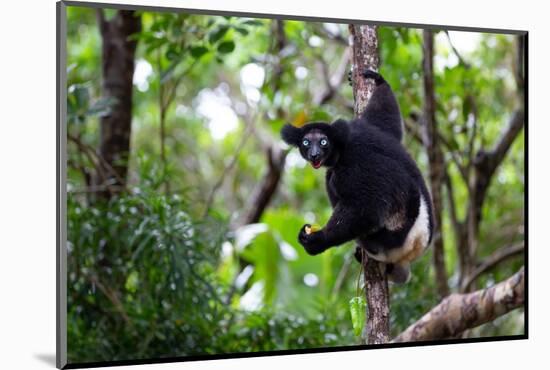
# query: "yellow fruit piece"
[312,229]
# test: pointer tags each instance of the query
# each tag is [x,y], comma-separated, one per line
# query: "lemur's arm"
[344,225]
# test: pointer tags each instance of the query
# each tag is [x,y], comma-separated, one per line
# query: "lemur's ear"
[339,131]
[291,135]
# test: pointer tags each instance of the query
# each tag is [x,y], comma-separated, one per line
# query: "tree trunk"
[365,55]
[437,164]
[118,52]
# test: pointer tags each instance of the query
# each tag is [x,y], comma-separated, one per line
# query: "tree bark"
[459,312]
[118,52]
[437,164]
[365,55]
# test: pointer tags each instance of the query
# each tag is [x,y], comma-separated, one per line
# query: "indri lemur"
[377,193]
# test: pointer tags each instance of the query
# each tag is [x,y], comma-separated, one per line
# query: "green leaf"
[218,34]
[132,282]
[357,307]
[102,107]
[243,31]
[253,22]
[82,96]
[198,51]
[109,14]
[172,54]
[226,47]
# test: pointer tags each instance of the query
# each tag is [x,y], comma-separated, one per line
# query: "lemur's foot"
[398,273]
[358,254]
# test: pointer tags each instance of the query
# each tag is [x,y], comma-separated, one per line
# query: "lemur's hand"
[311,240]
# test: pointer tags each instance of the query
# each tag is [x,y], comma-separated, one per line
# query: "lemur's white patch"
[415,242]
[395,221]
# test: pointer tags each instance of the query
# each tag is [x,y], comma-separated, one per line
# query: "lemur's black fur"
[376,190]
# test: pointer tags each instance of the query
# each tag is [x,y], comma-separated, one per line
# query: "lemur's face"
[315,147]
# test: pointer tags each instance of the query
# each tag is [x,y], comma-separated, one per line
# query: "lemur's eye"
[305,142]
[324,142]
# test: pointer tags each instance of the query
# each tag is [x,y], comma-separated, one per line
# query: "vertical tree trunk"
[437,165]
[365,55]
[118,52]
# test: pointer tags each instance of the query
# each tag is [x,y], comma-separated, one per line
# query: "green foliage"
[80,107]
[142,283]
[357,306]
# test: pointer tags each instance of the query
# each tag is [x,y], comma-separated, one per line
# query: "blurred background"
[184,205]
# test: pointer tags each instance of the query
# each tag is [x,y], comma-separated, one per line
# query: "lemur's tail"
[382,109]
[378,79]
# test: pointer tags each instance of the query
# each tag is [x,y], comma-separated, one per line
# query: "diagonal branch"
[459,312]
[244,139]
[497,154]
[455,51]
[486,163]
[493,260]
[332,83]
[267,188]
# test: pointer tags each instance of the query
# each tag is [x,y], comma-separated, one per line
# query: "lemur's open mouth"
[316,164]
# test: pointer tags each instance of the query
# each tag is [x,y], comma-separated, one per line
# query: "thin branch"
[112,297]
[455,51]
[91,153]
[172,93]
[162,117]
[457,225]
[456,159]
[413,131]
[473,133]
[267,187]
[334,81]
[519,72]
[499,151]
[459,312]
[348,261]
[337,37]
[493,260]
[485,165]
[227,168]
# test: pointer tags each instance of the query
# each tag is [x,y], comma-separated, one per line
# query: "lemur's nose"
[314,156]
